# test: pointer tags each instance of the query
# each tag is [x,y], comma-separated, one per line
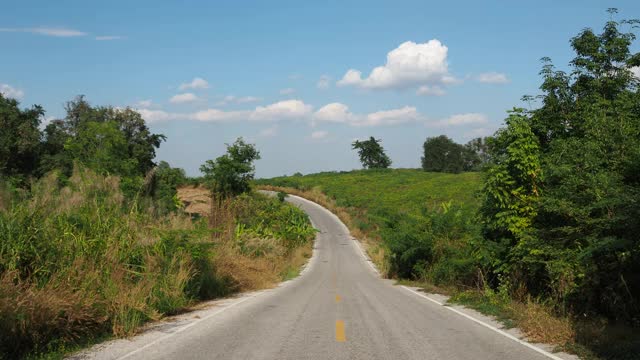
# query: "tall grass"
[79,261]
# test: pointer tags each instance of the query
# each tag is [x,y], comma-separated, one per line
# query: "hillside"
[406,190]
[414,224]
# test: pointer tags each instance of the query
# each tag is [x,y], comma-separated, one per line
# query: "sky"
[300,79]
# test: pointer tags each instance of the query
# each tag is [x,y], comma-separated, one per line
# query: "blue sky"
[300,79]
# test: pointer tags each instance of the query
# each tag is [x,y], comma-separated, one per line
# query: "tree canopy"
[371,153]
[561,199]
[230,174]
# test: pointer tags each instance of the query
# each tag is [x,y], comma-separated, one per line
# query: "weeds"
[79,261]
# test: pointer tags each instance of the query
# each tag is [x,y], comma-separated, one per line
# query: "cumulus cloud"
[288,109]
[10,92]
[144,104]
[334,113]
[283,110]
[492,78]
[318,135]
[462,119]
[339,113]
[231,99]
[47,31]
[287,91]
[430,91]
[157,115]
[196,83]
[324,82]
[410,64]
[184,98]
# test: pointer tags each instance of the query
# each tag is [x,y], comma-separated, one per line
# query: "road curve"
[337,309]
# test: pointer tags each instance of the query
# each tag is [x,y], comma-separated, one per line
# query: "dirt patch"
[196,200]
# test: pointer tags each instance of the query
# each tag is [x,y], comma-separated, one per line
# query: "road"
[337,309]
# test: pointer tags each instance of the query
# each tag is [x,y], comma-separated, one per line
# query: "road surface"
[337,309]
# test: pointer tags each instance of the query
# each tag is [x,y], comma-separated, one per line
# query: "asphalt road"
[337,309]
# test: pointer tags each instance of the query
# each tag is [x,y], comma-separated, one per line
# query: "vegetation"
[412,229]
[230,174]
[553,244]
[371,153]
[93,240]
[441,154]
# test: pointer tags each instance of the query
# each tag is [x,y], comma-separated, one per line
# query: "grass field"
[414,224]
[403,190]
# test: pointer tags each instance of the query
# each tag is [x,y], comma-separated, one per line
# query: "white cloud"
[321,134]
[492,78]
[287,91]
[288,109]
[108,37]
[269,132]
[409,65]
[247,99]
[392,117]
[636,71]
[196,83]
[157,115]
[430,91]
[335,113]
[183,98]
[295,77]
[283,110]
[324,82]
[462,119]
[47,31]
[11,92]
[339,113]
[144,104]
[231,99]
[215,115]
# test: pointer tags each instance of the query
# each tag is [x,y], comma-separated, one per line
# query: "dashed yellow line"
[340,337]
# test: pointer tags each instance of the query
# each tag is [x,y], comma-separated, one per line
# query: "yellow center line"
[338,298]
[340,331]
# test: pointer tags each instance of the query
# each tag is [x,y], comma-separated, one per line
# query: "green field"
[421,225]
[398,190]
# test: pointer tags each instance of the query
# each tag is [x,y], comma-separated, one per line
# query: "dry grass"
[196,200]
[539,324]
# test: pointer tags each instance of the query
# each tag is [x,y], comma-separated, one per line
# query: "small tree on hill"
[372,155]
[229,175]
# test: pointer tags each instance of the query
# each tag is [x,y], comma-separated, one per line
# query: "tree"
[106,139]
[476,154]
[372,155]
[442,154]
[230,174]
[561,200]
[164,184]
[19,140]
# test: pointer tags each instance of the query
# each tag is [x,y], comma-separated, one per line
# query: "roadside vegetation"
[550,239]
[94,239]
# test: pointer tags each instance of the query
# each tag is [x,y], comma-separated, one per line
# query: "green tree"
[106,139]
[371,153]
[441,154]
[19,140]
[572,235]
[230,174]
[476,154]
[164,186]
